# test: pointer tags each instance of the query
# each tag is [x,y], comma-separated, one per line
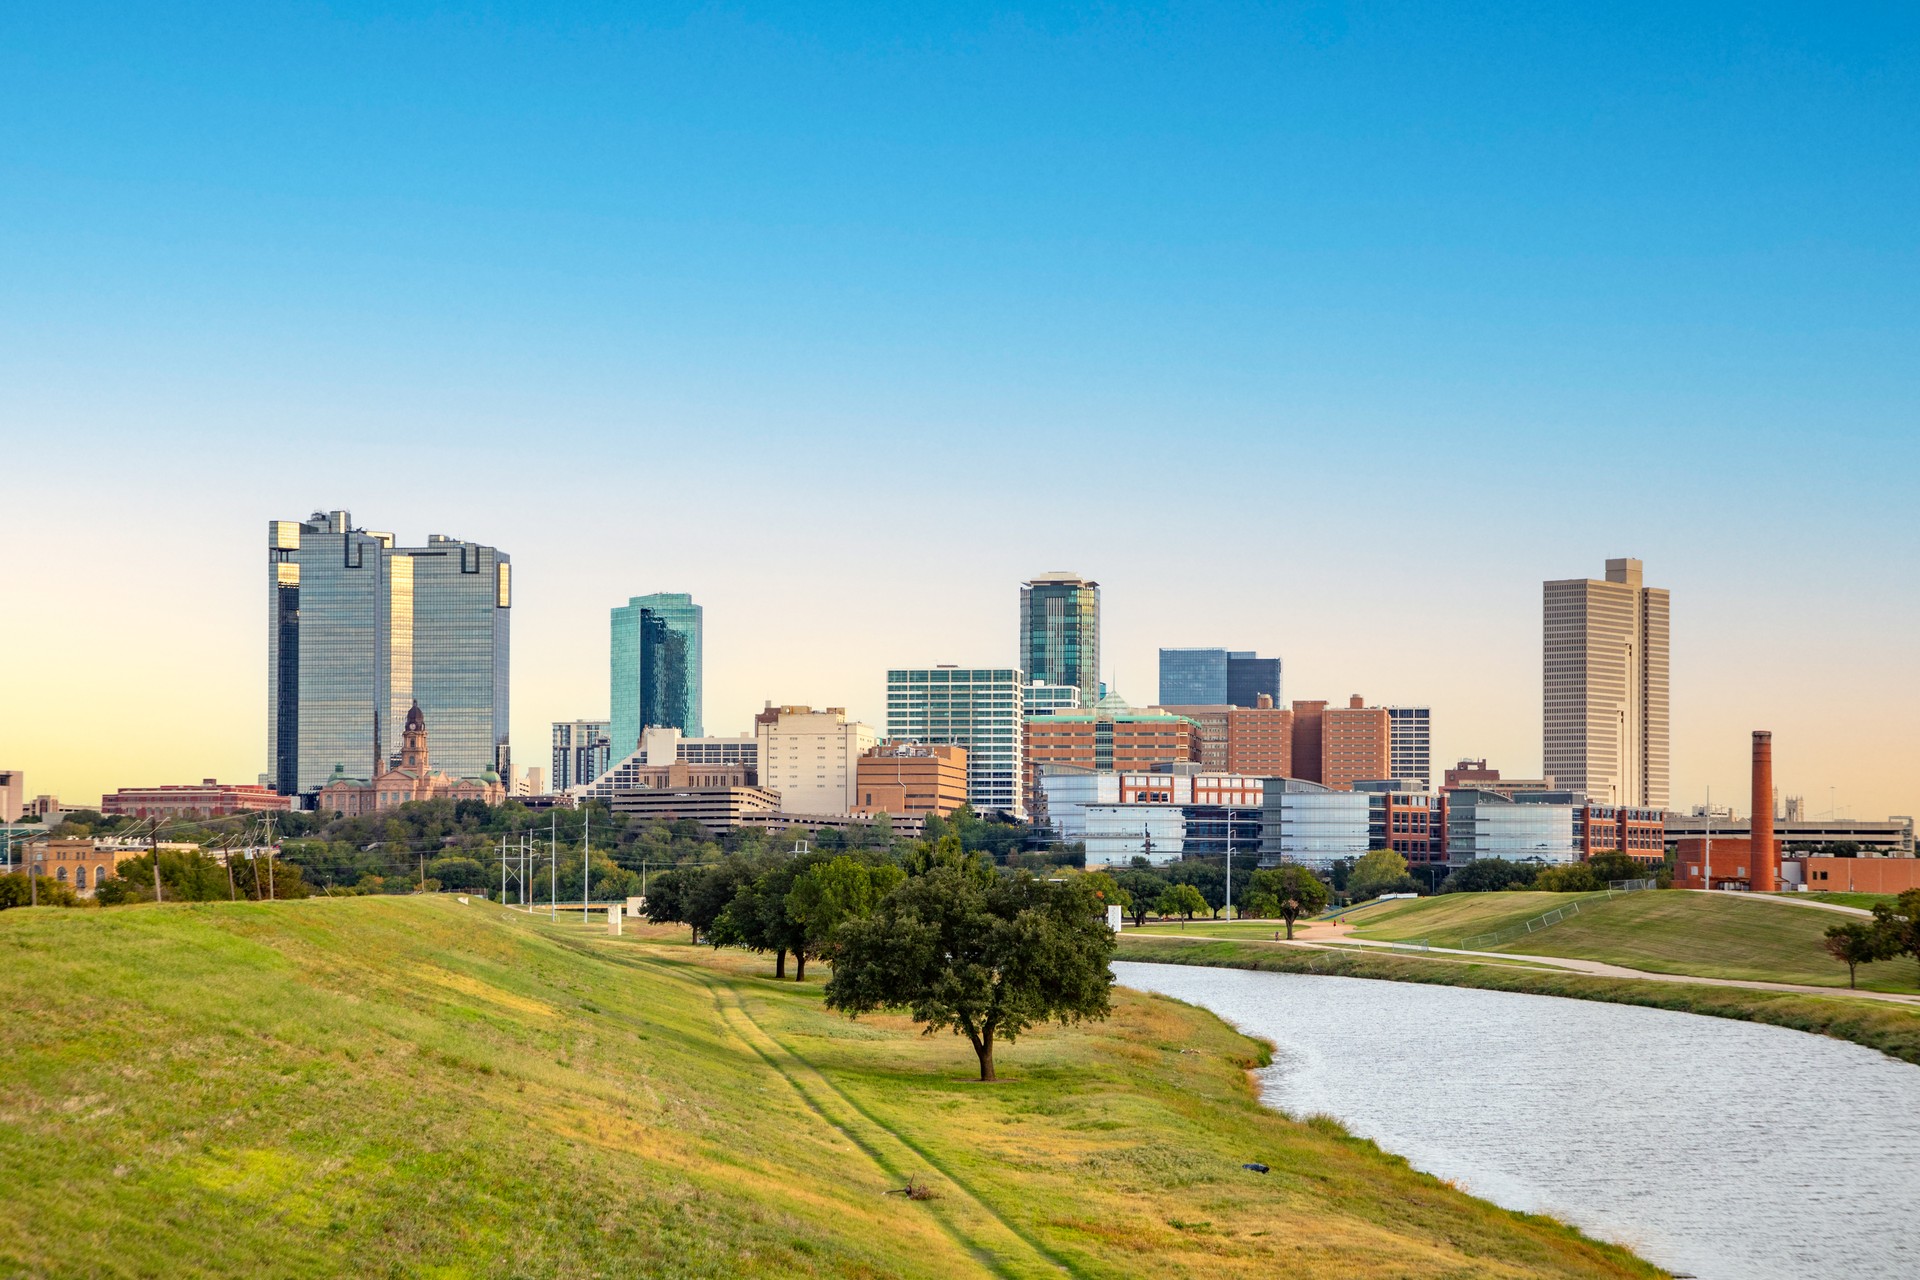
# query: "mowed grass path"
[382,1086]
[1702,935]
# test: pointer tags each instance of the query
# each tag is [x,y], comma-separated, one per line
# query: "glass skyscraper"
[1217,678]
[359,629]
[656,669]
[1060,632]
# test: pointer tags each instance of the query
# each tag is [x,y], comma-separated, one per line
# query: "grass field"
[1864,901]
[1709,936]
[1893,1029]
[394,1086]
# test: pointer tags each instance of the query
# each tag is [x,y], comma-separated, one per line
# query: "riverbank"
[1893,1029]
[375,1085]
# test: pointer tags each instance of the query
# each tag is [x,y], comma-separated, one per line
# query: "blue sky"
[1325,330]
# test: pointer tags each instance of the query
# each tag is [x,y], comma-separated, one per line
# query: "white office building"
[1116,834]
[980,708]
[664,745]
[1307,823]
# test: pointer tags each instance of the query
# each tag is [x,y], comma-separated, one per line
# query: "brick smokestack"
[1765,871]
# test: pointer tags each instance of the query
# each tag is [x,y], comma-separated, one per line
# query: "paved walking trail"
[1336,936]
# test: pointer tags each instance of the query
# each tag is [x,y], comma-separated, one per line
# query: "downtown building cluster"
[376,650]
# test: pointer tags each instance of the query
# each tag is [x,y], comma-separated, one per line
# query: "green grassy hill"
[1713,936]
[387,1086]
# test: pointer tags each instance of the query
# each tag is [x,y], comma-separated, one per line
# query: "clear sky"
[1328,331]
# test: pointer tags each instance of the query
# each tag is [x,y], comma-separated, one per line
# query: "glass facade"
[1248,677]
[1307,823]
[1060,632]
[359,629]
[581,752]
[1193,677]
[656,677]
[981,709]
[1482,824]
[1217,678]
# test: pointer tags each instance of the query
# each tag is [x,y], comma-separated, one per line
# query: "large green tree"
[825,895]
[1181,900]
[1295,891]
[1378,872]
[1144,888]
[985,955]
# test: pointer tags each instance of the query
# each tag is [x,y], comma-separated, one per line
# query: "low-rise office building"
[78,862]
[1486,824]
[210,799]
[664,745]
[1116,834]
[718,809]
[1312,824]
[910,779]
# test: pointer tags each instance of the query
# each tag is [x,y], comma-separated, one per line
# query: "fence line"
[1548,919]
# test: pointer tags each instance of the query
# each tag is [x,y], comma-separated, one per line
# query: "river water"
[1727,1150]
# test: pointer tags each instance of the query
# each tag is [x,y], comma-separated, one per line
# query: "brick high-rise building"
[1355,744]
[911,780]
[1605,730]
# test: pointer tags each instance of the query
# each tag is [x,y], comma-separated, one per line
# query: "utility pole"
[153,846]
[271,892]
[553,865]
[503,871]
[586,865]
[1229,862]
[227,857]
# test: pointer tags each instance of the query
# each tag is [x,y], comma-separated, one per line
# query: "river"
[1721,1149]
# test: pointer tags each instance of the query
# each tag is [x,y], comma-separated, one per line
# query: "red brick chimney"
[1764,874]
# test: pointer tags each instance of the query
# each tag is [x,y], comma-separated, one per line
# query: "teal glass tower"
[1060,632]
[655,669]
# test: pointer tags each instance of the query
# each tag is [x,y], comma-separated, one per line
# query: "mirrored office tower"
[1217,678]
[656,669]
[1060,632]
[359,629]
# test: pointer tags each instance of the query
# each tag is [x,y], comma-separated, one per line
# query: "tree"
[1489,875]
[1854,944]
[1378,872]
[1208,879]
[15,892]
[1608,867]
[1295,890]
[695,896]
[462,875]
[756,916]
[986,955]
[826,895]
[1898,923]
[1181,900]
[1259,905]
[1569,877]
[1144,888]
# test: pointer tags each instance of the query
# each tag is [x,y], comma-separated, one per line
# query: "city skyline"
[1448,744]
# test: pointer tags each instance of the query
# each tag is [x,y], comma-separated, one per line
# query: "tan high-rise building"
[811,757]
[1605,669]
